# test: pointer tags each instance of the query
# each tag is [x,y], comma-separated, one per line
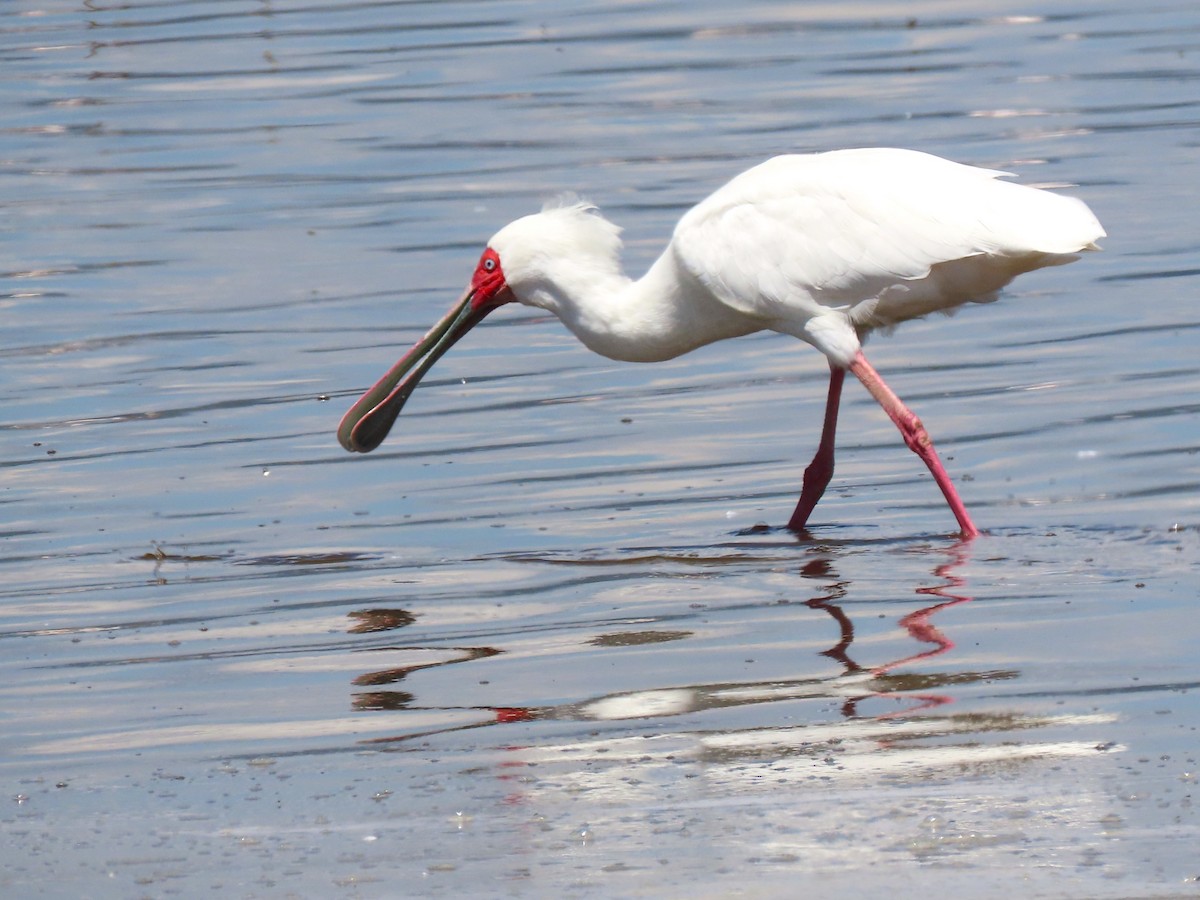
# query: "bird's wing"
[799,233]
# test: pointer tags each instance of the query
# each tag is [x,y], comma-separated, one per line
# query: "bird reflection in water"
[853,686]
[918,624]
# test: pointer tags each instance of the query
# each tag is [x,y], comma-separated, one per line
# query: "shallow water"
[535,645]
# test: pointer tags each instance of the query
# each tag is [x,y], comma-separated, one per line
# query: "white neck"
[662,315]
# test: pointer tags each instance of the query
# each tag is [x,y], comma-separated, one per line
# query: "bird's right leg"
[820,470]
[915,436]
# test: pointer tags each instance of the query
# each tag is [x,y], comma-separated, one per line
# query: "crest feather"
[575,227]
[569,200]
[567,240]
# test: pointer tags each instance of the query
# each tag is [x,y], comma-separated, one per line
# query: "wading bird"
[825,247]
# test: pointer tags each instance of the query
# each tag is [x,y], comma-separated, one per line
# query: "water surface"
[536,644]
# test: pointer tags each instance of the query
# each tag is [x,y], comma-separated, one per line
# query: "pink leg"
[820,470]
[915,436]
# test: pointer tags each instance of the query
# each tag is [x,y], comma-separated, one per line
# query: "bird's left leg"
[820,470]
[915,436]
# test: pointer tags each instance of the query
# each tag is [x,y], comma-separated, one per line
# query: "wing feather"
[900,232]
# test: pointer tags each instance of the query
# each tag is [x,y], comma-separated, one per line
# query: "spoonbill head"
[824,247]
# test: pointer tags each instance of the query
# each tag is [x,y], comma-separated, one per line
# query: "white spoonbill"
[825,247]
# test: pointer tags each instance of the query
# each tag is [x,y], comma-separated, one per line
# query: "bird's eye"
[489,264]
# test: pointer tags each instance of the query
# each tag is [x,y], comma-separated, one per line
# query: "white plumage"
[825,247]
[861,238]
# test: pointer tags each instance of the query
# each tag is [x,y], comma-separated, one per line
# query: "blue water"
[535,645]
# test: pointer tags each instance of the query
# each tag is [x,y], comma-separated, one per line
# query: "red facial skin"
[489,287]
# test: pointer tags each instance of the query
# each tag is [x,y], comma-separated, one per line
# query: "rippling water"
[535,644]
